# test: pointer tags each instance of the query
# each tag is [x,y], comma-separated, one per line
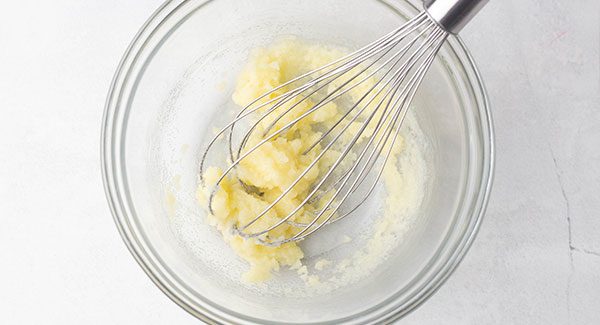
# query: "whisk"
[398,62]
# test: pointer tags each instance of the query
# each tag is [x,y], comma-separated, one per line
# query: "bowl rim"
[212,315]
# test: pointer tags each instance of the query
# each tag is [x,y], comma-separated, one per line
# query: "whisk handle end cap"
[453,15]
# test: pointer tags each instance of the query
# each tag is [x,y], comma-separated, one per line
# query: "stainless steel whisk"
[399,62]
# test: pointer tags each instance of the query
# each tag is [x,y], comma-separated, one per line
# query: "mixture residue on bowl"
[277,163]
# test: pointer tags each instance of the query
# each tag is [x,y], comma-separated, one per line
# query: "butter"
[277,163]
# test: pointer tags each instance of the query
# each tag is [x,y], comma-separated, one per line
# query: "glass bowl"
[175,76]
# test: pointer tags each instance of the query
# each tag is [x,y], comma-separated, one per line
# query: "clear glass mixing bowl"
[174,77]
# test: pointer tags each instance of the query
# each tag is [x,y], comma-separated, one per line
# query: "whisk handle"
[453,15]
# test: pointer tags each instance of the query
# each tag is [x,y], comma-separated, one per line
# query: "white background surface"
[536,259]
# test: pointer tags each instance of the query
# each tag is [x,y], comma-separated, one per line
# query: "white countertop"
[536,259]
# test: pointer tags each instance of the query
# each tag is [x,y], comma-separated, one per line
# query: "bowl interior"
[180,73]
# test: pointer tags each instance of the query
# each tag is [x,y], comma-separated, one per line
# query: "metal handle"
[453,15]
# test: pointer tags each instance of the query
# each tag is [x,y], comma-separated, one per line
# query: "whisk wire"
[239,158]
[389,128]
[321,154]
[379,111]
[399,72]
[389,151]
[360,56]
[329,98]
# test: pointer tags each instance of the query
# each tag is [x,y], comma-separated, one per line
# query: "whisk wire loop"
[395,66]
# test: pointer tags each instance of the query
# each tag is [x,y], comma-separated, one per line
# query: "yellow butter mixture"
[277,163]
